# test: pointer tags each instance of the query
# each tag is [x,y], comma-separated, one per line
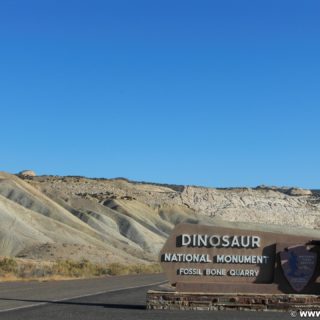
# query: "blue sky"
[214,93]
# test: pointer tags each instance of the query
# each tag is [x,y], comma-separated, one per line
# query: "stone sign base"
[242,301]
[247,288]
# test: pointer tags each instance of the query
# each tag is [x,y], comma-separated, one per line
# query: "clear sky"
[215,93]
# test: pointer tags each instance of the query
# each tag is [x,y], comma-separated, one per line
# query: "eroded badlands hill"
[102,220]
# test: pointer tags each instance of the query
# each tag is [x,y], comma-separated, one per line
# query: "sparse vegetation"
[22,269]
[8,265]
[121,269]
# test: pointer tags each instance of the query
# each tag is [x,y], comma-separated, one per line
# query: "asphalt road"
[110,298]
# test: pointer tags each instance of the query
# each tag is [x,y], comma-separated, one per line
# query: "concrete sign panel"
[198,257]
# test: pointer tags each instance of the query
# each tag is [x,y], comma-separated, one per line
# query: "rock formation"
[107,220]
[27,173]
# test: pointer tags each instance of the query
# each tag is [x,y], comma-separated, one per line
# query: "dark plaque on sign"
[298,265]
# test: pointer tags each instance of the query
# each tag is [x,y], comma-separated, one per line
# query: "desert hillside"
[116,220]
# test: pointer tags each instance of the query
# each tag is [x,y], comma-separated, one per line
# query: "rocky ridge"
[110,220]
[265,205]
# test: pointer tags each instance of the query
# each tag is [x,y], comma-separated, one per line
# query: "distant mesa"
[299,192]
[27,173]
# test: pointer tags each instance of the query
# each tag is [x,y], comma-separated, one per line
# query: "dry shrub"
[83,268]
[33,270]
[117,269]
[8,265]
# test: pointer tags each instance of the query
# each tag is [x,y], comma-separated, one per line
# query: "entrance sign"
[207,258]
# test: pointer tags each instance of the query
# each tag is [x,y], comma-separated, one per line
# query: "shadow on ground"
[88,304]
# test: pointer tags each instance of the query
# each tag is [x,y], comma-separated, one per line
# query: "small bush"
[144,268]
[8,265]
[117,269]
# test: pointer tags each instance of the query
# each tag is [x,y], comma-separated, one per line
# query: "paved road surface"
[111,298]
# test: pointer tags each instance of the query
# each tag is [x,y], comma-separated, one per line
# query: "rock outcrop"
[299,192]
[27,173]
